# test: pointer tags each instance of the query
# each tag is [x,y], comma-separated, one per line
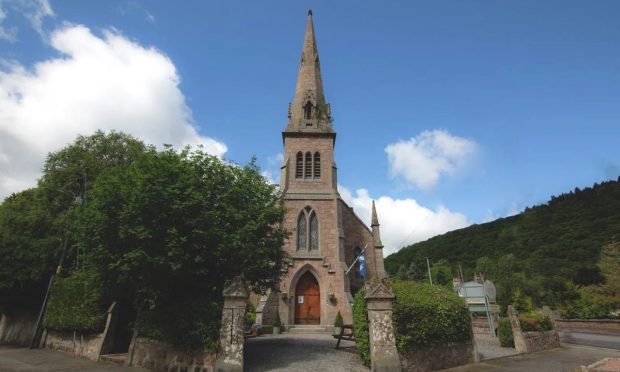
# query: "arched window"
[308,110]
[299,169]
[317,165]
[308,168]
[301,232]
[314,232]
[307,231]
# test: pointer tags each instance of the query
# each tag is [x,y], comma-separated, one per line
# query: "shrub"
[338,322]
[187,323]
[360,326]
[276,321]
[426,315]
[506,338]
[75,303]
[535,322]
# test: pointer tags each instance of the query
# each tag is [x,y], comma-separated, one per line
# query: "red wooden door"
[307,300]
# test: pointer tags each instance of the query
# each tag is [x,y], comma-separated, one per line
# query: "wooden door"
[307,300]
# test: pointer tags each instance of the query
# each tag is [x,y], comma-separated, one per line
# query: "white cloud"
[422,160]
[272,171]
[98,83]
[33,10]
[403,221]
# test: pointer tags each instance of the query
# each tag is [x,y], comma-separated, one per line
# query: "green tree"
[414,272]
[401,274]
[173,226]
[442,273]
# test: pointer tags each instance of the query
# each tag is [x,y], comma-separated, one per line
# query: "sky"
[448,113]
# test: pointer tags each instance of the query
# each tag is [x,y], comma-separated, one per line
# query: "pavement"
[489,348]
[300,353]
[567,358]
[13,359]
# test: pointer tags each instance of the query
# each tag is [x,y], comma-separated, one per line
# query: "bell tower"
[309,138]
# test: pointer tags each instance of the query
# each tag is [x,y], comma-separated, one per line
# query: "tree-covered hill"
[557,242]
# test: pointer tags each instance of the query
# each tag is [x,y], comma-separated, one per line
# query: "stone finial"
[235,288]
[378,289]
[375,227]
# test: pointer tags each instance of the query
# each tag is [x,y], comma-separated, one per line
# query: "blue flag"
[362,262]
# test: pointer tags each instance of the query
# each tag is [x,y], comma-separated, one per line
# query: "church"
[326,235]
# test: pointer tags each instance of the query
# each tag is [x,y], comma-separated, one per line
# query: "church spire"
[309,112]
[375,227]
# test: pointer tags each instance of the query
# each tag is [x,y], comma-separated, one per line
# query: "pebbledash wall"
[160,356]
[17,329]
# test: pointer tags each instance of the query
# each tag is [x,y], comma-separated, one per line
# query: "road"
[602,339]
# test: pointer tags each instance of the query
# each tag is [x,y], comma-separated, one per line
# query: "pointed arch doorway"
[307,300]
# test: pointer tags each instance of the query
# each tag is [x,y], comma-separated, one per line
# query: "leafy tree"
[29,244]
[173,226]
[442,273]
[402,273]
[414,272]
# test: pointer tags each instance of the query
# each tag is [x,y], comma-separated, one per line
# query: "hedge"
[75,303]
[426,315]
[360,326]
[535,322]
[506,338]
[188,323]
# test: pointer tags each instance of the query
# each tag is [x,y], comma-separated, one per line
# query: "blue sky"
[507,103]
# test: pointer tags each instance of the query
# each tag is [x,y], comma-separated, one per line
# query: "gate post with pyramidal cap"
[230,356]
[383,353]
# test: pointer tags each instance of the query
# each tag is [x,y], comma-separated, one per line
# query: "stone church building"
[326,235]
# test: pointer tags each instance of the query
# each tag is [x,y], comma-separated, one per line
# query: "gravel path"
[300,352]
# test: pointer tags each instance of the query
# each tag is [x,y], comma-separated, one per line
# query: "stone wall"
[531,342]
[606,325]
[539,341]
[80,345]
[160,356]
[438,357]
[17,329]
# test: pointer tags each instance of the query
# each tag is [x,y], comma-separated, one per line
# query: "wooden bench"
[345,336]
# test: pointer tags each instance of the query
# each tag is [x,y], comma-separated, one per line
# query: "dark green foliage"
[360,325]
[188,323]
[338,321]
[442,273]
[29,244]
[535,322]
[426,315]
[506,338]
[75,303]
[542,251]
[276,320]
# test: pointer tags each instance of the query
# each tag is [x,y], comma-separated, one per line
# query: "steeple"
[309,112]
[375,227]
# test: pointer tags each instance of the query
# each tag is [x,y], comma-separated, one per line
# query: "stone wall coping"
[589,320]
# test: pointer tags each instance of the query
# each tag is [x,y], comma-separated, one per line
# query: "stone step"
[309,329]
[114,358]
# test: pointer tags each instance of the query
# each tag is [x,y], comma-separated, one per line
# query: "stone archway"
[307,300]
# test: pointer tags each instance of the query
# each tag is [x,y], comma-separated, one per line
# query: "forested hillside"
[552,248]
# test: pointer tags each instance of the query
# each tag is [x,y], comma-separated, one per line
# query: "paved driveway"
[22,359]
[300,352]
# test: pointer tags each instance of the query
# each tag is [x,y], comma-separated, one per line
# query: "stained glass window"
[314,233]
[301,232]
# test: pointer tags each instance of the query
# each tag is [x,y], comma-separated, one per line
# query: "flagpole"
[356,258]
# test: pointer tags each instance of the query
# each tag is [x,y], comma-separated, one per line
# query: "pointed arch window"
[299,165]
[308,110]
[308,165]
[307,231]
[301,232]
[317,165]
[314,232]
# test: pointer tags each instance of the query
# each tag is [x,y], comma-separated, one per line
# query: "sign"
[300,299]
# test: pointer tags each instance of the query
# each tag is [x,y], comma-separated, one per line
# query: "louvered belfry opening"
[308,167]
[299,170]
[317,165]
